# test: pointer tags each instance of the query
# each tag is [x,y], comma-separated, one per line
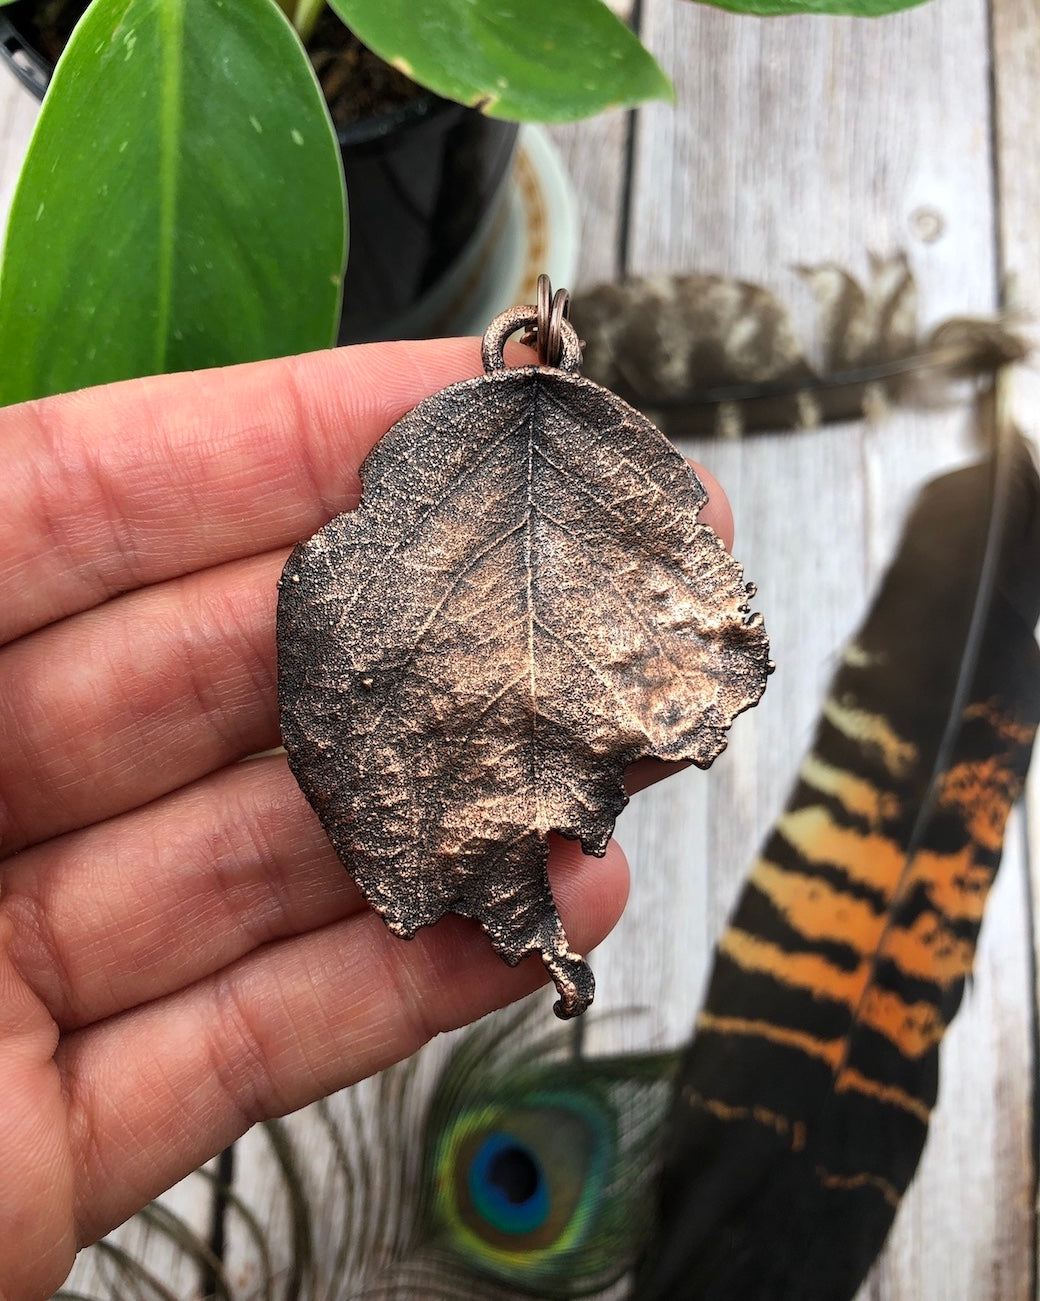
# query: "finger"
[116,487]
[149,691]
[121,704]
[717,512]
[148,903]
[155,1092]
[130,484]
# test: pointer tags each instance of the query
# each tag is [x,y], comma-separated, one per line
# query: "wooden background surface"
[793,141]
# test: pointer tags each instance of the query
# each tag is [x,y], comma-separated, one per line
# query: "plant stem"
[305,15]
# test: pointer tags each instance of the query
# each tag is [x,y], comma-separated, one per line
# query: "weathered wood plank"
[595,154]
[1016,82]
[18,113]
[808,139]
[803,141]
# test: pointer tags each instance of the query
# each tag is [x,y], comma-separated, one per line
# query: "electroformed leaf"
[523,605]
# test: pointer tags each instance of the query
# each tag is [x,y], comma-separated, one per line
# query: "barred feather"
[804,1100]
[705,354]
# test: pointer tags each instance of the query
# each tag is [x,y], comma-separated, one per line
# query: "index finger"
[118,487]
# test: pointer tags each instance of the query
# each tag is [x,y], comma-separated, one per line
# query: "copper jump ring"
[544,310]
[557,315]
[545,332]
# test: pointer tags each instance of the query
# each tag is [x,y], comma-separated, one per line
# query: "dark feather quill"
[802,1105]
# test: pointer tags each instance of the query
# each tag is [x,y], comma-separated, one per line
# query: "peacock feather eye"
[507,1185]
[539,1168]
[519,1181]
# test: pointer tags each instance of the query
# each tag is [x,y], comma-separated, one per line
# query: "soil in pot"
[357,84]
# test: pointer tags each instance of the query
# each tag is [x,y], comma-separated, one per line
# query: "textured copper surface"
[522,606]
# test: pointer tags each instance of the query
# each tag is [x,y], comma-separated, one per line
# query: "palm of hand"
[181,954]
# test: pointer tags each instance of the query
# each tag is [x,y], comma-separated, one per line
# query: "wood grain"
[595,156]
[1016,58]
[808,139]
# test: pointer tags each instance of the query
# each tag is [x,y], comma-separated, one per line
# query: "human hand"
[181,952]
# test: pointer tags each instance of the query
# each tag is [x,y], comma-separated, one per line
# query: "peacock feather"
[540,1167]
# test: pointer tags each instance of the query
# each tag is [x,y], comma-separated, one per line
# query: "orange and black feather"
[802,1105]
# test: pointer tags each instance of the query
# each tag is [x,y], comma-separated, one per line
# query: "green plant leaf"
[181,204]
[532,60]
[849,8]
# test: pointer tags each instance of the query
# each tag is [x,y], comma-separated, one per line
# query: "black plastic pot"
[20,54]
[426,187]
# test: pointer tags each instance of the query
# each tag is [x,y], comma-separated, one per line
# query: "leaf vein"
[627,526]
[458,578]
[406,539]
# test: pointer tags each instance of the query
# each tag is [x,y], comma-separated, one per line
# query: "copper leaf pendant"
[522,605]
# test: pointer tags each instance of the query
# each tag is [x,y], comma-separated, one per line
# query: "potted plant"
[182,201]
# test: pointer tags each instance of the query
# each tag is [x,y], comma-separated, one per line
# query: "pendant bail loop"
[547,328]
